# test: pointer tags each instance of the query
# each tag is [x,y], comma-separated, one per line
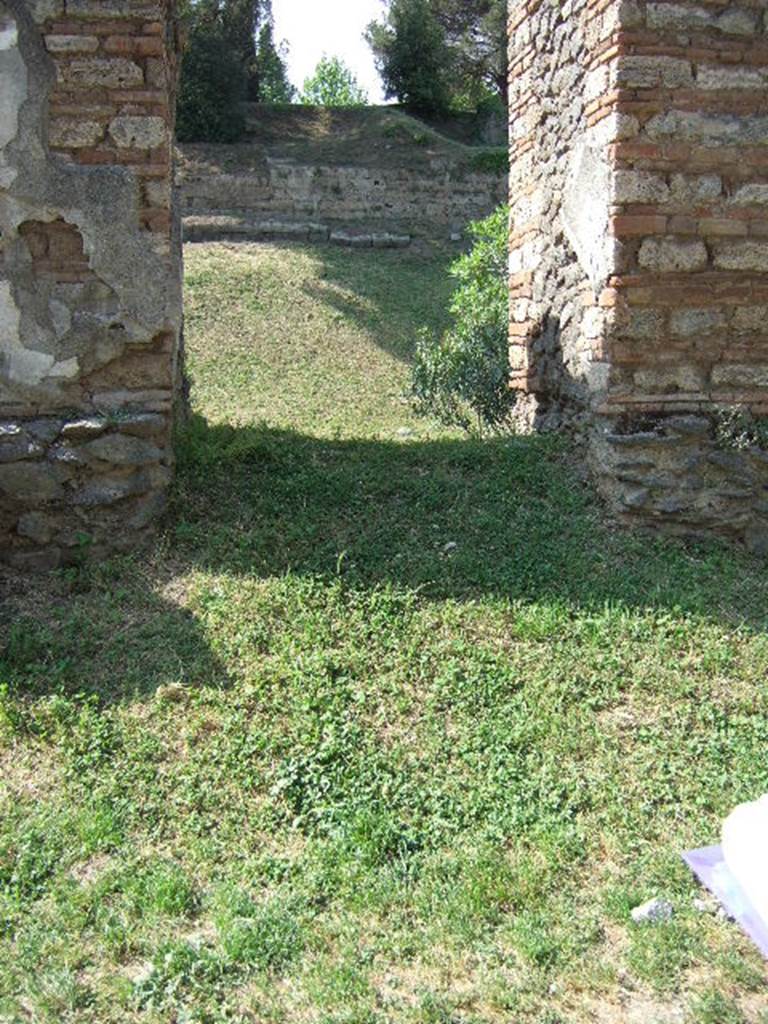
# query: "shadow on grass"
[461,519]
[505,520]
[502,520]
[363,292]
[117,631]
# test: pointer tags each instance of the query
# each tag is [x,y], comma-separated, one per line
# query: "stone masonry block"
[147,10]
[741,256]
[71,44]
[690,323]
[101,72]
[74,133]
[653,72]
[138,132]
[670,254]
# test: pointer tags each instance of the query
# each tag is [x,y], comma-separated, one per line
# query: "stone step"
[216,227]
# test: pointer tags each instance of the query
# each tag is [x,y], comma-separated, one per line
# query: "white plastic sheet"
[737,870]
[745,851]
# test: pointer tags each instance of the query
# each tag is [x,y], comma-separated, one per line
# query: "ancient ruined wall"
[90,300]
[431,203]
[664,212]
[555,315]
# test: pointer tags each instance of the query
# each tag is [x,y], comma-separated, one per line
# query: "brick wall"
[649,206]
[111,104]
[90,294]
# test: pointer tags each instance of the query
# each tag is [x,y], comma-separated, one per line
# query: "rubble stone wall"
[657,219]
[420,203]
[90,291]
[557,224]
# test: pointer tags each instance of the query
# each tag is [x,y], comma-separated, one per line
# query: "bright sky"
[332,27]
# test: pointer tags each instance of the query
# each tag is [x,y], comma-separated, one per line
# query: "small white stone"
[706,905]
[653,912]
[141,973]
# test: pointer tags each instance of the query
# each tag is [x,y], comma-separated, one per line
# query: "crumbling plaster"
[48,335]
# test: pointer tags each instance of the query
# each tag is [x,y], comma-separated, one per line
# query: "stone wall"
[90,293]
[276,197]
[639,265]
[557,208]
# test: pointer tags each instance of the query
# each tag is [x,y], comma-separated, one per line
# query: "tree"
[236,21]
[223,65]
[220,51]
[269,81]
[332,85]
[211,89]
[476,34]
[412,55]
[433,54]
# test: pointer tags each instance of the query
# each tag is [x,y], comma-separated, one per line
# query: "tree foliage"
[332,85]
[211,90]
[236,21]
[433,54]
[462,378]
[230,56]
[269,82]
[476,34]
[412,56]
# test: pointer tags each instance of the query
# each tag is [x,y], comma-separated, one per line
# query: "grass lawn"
[391,725]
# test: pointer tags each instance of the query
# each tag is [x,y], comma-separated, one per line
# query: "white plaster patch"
[67,368]
[61,317]
[9,35]
[17,363]
[586,200]
[42,10]
[13,92]
[10,317]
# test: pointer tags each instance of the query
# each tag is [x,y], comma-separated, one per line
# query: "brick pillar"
[639,249]
[90,293]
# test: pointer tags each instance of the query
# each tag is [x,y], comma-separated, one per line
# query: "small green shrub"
[462,378]
[181,972]
[712,1007]
[30,853]
[268,939]
[160,887]
[211,90]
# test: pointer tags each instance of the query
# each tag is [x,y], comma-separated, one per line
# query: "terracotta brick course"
[653,163]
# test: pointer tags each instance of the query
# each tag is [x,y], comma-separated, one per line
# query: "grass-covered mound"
[379,137]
